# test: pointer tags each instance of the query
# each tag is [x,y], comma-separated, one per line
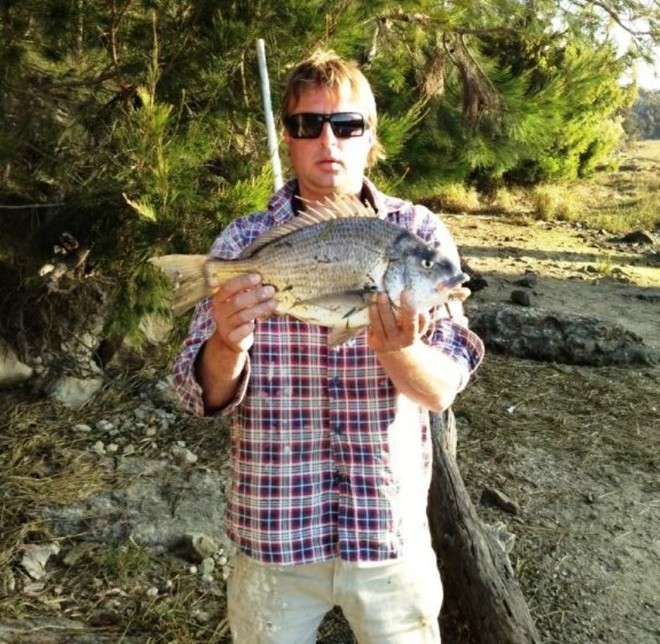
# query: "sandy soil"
[575,447]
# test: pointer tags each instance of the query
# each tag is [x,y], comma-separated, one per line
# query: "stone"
[74,392]
[528,280]
[563,339]
[197,547]
[36,556]
[522,298]
[12,370]
[493,497]
[643,237]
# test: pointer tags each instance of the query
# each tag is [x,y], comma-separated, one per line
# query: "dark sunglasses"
[309,125]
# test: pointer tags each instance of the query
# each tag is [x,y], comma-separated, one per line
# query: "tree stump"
[478,580]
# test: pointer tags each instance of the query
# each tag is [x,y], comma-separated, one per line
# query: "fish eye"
[427,263]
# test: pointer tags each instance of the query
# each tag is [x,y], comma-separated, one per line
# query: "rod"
[270,121]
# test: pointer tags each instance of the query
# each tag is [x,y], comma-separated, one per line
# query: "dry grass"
[44,463]
[614,418]
[616,201]
[38,468]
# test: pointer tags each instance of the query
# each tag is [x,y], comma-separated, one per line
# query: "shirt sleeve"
[460,343]
[449,328]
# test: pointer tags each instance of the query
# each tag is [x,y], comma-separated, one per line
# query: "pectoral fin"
[339,335]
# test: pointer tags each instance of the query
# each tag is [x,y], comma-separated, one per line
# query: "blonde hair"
[326,69]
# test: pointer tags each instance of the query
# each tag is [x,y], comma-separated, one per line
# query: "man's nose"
[327,133]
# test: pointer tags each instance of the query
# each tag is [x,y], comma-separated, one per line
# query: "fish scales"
[345,255]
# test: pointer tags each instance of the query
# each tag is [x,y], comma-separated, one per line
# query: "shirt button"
[340,477]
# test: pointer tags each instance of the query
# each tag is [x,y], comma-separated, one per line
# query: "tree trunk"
[478,580]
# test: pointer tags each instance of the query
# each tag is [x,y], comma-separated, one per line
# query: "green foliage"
[138,125]
[125,562]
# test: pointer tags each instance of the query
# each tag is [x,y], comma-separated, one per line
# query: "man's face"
[328,164]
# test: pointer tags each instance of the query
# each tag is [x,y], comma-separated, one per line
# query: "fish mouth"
[454,280]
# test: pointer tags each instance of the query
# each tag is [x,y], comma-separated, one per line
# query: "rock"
[104,426]
[197,547]
[522,298]
[154,331]
[528,280]
[156,504]
[207,566]
[476,281]
[75,392]
[553,337]
[36,556]
[99,448]
[12,370]
[643,237]
[183,456]
[493,497]
[78,552]
[649,297]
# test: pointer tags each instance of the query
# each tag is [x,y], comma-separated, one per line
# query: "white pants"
[394,602]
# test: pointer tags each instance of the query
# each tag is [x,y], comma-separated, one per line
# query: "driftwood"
[477,575]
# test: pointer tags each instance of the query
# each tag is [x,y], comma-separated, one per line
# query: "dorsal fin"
[342,206]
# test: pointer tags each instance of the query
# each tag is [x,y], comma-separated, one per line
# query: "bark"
[478,580]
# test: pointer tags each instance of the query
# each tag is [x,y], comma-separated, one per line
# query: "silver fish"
[326,265]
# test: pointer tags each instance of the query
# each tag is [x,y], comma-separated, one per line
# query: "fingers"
[237,303]
[391,330]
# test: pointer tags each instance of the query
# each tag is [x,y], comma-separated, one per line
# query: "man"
[330,449]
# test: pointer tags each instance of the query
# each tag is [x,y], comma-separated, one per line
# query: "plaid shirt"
[327,459]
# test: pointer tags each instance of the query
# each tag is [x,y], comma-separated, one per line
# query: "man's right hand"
[237,303]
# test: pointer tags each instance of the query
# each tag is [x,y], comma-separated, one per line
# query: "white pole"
[270,122]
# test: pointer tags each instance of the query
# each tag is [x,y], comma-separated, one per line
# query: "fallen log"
[477,577]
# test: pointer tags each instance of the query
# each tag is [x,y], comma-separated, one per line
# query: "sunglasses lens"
[304,126]
[347,124]
[309,125]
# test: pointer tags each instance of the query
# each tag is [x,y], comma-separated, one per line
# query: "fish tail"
[187,275]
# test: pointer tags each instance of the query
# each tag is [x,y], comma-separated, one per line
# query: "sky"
[648,76]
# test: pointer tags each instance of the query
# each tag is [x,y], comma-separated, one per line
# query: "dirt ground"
[575,447]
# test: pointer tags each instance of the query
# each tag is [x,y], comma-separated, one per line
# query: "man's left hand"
[395,329]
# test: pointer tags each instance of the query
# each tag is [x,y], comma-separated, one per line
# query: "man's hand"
[391,330]
[237,303]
